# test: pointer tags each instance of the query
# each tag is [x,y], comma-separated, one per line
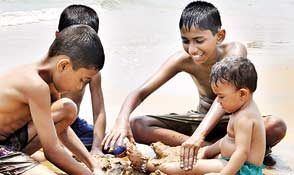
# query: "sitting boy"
[89,135]
[202,36]
[242,149]
[28,120]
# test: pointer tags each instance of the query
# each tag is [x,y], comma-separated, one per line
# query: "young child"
[202,38]
[28,119]
[242,149]
[91,137]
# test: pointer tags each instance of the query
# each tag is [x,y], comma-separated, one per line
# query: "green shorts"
[188,122]
[247,168]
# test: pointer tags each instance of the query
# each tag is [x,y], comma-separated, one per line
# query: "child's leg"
[148,130]
[275,131]
[63,113]
[201,167]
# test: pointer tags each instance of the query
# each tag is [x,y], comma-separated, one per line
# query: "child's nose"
[193,50]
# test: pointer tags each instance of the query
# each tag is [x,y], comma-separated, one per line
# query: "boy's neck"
[45,69]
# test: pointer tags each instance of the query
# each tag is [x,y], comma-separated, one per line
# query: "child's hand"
[212,174]
[117,135]
[189,151]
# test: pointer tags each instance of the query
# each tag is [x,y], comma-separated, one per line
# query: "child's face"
[199,44]
[228,96]
[70,80]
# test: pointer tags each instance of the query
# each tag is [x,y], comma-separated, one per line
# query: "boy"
[28,120]
[202,37]
[91,138]
[242,149]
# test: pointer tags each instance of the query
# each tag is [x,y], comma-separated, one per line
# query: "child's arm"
[122,128]
[191,146]
[243,131]
[99,115]
[38,96]
[74,144]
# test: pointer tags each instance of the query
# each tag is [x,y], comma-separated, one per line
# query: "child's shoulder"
[29,80]
[234,49]
[247,116]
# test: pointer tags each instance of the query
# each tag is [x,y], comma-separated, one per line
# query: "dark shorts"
[188,122]
[84,131]
[18,140]
[11,160]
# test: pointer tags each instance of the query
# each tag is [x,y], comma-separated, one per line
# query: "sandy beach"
[139,36]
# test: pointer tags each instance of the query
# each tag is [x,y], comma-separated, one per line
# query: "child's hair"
[238,71]
[78,14]
[202,15]
[82,44]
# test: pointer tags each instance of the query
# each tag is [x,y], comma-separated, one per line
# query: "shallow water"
[139,35]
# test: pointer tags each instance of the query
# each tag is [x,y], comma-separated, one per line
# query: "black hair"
[82,44]
[202,15]
[78,14]
[238,71]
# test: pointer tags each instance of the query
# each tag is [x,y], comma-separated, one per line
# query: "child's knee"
[69,109]
[275,129]
[137,123]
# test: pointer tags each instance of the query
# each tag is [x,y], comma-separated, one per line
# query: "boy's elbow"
[50,152]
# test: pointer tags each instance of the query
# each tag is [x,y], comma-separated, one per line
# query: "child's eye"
[200,41]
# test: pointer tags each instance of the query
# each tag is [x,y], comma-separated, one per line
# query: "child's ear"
[63,64]
[244,93]
[221,35]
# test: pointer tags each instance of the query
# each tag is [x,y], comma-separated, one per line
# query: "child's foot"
[268,160]
[138,160]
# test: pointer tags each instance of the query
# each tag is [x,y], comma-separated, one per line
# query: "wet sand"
[137,39]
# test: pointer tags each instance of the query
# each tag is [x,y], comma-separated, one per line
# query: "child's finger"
[191,158]
[182,157]
[113,141]
[186,158]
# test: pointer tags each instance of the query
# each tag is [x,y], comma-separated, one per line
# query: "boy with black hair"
[242,149]
[28,119]
[202,37]
[89,135]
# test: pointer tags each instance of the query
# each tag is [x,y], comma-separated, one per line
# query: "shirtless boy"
[202,39]
[242,149]
[89,135]
[28,120]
